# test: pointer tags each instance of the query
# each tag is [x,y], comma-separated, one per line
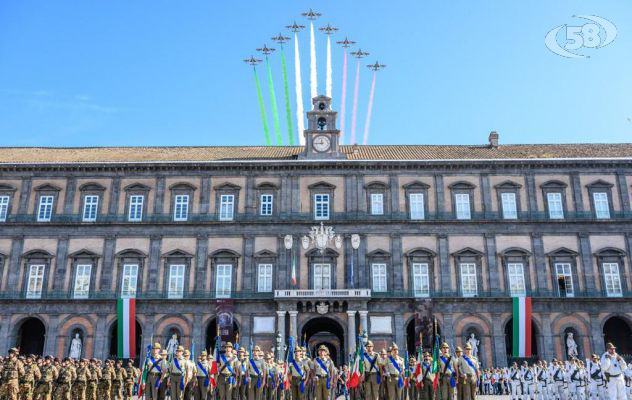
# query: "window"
[554,201]
[224,279]
[515,272]
[509,205]
[564,279]
[379,277]
[612,279]
[602,208]
[129,281]
[322,276]
[416,205]
[90,204]
[377,204]
[266,204]
[4,208]
[226,207]
[176,281]
[82,281]
[421,280]
[136,207]
[468,280]
[181,207]
[35,282]
[45,209]
[321,206]
[462,205]
[265,278]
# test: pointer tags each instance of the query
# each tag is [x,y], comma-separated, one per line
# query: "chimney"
[493,139]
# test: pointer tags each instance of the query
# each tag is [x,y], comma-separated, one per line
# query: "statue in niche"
[571,346]
[172,345]
[75,347]
[474,342]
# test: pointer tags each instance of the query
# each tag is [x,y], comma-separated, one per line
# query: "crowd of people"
[236,374]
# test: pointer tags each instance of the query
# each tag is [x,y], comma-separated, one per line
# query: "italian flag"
[357,369]
[521,327]
[126,312]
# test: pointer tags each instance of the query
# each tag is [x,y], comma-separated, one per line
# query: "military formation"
[236,374]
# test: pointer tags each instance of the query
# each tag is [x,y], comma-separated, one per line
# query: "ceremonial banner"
[357,369]
[126,323]
[521,327]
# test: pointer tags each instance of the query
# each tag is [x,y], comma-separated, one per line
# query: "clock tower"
[321,135]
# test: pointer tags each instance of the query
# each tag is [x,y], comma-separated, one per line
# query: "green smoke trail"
[266,131]
[288,110]
[273,103]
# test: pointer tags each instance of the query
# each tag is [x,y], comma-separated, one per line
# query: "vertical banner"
[521,346]
[126,324]
[224,312]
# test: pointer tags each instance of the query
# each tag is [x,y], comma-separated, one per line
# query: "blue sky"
[97,73]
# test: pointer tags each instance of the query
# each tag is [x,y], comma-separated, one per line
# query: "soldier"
[458,352]
[372,375]
[130,379]
[83,375]
[12,371]
[447,373]
[202,371]
[227,377]
[27,381]
[427,379]
[243,378]
[272,378]
[299,371]
[383,360]
[93,382]
[177,375]
[118,380]
[614,366]
[394,372]
[44,389]
[190,380]
[64,380]
[105,383]
[323,373]
[256,370]
[469,370]
[410,387]
[156,371]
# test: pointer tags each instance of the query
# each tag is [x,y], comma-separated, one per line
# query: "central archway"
[509,343]
[31,337]
[617,331]
[114,341]
[211,334]
[325,331]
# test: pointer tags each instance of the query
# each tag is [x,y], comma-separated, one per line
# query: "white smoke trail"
[328,82]
[313,75]
[300,122]
[367,123]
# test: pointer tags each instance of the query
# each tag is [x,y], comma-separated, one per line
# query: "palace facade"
[445,232]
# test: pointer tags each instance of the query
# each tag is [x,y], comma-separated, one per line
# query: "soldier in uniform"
[164,383]
[272,378]
[64,380]
[105,383]
[190,368]
[202,373]
[458,352]
[130,379]
[299,371]
[93,382]
[410,387]
[227,364]
[118,380]
[613,366]
[447,373]
[469,370]
[256,370]
[323,369]
[12,371]
[394,371]
[156,371]
[83,375]
[44,389]
[178,374]
[27,381]
[427,389]
[243,379]
[372,375]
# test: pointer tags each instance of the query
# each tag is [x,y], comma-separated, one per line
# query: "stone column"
[281,331]
[547,337]
[364,321]
[587,263]
[622,188]
[108,265]
[100,337]
[248,270]
[540,264]
[351,332]
[198,338]
[444,264]
[486,194]
[396,263]
[577,192]
[201,261]
[596,335]
[293,325]
[154,263]
[448,330]
[500,350]
[493,271]
[159,202]
[393,182]
[439,194]
[61,261]
[205,194]
[4,333]
[531,193]
[148,333]
[400,330]
[69,196]
[17,245]
[25,193]
[114,195]
[50,341]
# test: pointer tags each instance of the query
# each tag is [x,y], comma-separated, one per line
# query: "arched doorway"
[617,331]
[211,334]
[31,337]
[509,343]
[114,341]
[327,331]
[420,328]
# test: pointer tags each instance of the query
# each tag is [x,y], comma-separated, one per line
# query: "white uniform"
[528,383]
[515,378]
[558,381]
[595,382]
[613,367]
[628,380]
[541,383]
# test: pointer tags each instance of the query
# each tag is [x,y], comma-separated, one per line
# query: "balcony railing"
[353,216]
[154,295]
[488,294]
[322,293]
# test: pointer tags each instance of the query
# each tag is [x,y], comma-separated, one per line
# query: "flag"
[126,323]
[214,369]
[358,368]
[289,357]
[418,371]
[143,377]
[521,327]
[435,358]
[293,269]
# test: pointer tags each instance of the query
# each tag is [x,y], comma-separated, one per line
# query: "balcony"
[153,295]
[322,293]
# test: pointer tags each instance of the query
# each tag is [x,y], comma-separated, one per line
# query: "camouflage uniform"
[93,382]
[80,385]
[105,383]
[132,376]
[27,381]
[64,382]
[12,371]
[44,389]
[118,381]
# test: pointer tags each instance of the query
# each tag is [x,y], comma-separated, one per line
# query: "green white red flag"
[357,369]
[521,327]
[126,312]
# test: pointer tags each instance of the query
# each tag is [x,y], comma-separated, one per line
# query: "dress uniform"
[227,365]
[272,378]
[614,366]
[410,388]
[447,373]
[299,371]
[372,373]
[80,385]
[469,371]
[44,388]
[394,372]
[105,383]
[528,380]
[27,381]
[427,379]
[243,378]
[12,371]
[256,370]
[177,375]
[323,369]
[202,373]
[190,381]
[157,370]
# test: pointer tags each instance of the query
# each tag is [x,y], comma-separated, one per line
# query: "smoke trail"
[300,122]
[313,75]
[343,96]
[354,112]
[328,82]
[367,123]
[273,103]
[288,110]
[266,132]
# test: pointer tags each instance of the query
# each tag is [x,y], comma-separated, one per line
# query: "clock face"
[321,143]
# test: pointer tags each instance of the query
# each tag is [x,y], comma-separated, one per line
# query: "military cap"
[180,348]
[394,347]
[257,348]
[383,351]
[157,346]
[609,345]
[229,344]
[369,343]
[66,359]
[13,350]
[297,350]
[130,362]
[468,346]
[459,349]
[444,345]
[323,347]
[241,350]
[203,353]
[84,360]
[163,353]
[412,358]
[270,356]
[187,352]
